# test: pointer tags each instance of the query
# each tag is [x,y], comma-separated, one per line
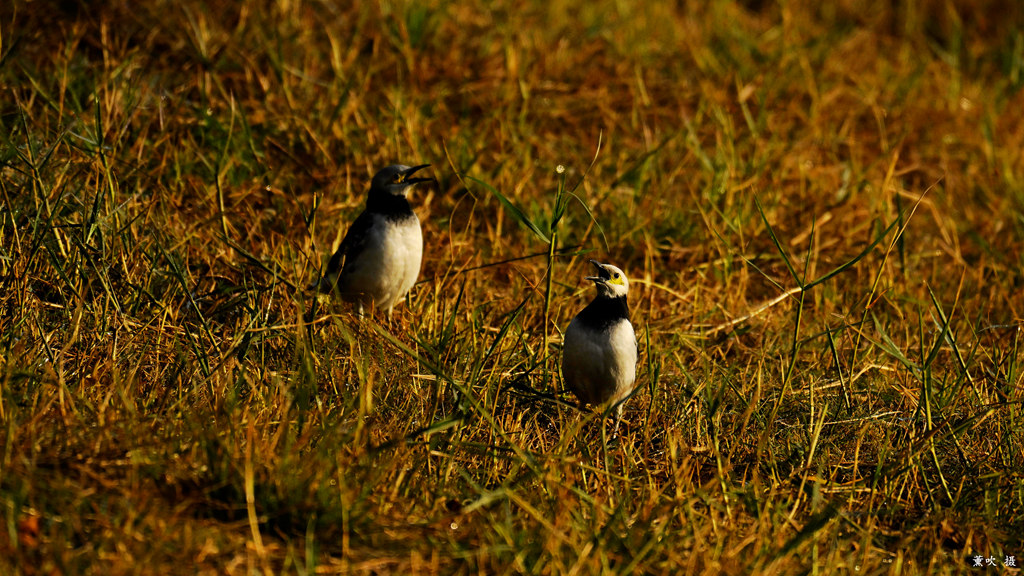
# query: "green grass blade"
[517,214]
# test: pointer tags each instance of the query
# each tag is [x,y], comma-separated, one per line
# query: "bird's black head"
[395,179]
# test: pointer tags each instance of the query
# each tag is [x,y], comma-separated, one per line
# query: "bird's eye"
[397,178]
[616,274]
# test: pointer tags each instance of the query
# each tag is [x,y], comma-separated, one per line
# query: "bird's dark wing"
[353,243]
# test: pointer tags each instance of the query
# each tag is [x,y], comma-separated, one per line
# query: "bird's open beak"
[603,275]
[410,171]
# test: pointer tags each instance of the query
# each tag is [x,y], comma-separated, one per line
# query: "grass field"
[820,207]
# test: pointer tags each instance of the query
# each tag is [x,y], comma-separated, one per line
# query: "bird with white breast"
[600,351]
[379,260]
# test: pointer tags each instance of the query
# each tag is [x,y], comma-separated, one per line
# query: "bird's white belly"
[388,266]
[600,366]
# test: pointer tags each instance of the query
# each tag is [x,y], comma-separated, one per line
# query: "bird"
[379,259]
[599,350]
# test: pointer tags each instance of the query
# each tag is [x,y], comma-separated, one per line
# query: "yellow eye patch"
[616,279]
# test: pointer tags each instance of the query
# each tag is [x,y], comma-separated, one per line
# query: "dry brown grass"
[173,173]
